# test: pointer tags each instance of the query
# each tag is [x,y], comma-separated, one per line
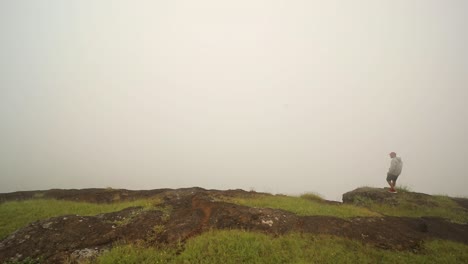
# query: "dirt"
[186,213]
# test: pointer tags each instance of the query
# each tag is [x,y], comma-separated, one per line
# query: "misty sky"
[277,96]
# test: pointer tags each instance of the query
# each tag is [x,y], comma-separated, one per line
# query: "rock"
[267,222]
[86,253]
[362,195]
[47,225]
[190,212]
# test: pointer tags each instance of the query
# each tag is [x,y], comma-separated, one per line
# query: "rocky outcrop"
[186,213]
[361,195]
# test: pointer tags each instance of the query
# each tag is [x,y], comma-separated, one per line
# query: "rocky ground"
[185,213]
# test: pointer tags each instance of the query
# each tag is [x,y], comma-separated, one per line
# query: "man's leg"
[394,181]
[392,186]
[390,183]
[389,180]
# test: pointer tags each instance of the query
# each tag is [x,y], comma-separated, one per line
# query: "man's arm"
[393,166]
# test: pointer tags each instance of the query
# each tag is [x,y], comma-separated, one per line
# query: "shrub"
[312,196]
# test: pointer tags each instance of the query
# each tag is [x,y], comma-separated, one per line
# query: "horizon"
[403,188]
[275,96]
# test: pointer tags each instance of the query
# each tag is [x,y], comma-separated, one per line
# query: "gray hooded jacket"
[396,166]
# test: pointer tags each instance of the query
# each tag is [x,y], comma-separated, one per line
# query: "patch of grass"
[311,196]
[153,235]
[304,206]
[403,188]
[237,246]
[123,254]
[437,206]
[17,214]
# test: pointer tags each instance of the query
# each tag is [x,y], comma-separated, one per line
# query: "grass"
[312,196]
[304,205]
[435,206]
[403,188]
[237,246]
[136,254]
[18,214]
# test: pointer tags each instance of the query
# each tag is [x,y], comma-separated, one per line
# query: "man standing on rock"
[394,171]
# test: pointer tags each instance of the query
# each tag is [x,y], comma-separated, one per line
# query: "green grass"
[16,214]
[436,206]
[312,196]
[248,247]
[122,254]
[403,188]
[304,206]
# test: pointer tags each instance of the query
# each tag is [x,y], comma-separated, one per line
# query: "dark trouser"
[391,177]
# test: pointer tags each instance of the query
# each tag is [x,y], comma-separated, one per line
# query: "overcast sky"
[276,96]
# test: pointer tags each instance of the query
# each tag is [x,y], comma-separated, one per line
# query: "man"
[394,171]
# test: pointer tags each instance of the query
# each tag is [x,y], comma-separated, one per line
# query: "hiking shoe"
[392,191]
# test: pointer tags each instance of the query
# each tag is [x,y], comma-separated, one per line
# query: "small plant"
[154,233]
[166,210]
[158,229]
